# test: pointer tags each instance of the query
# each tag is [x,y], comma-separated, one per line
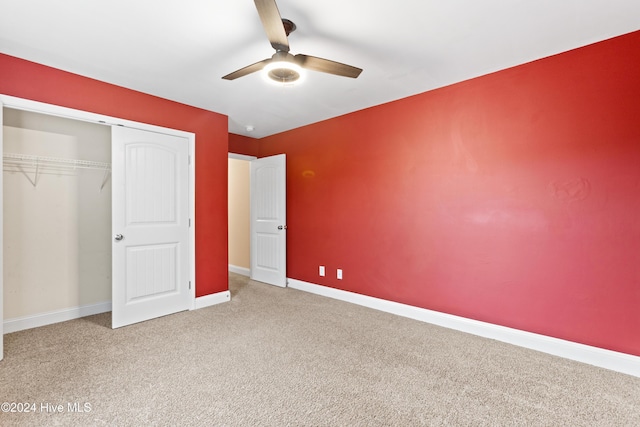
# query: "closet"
[56,215]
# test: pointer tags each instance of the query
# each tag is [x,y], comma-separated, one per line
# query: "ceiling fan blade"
[272,23]
[326,66]
[247,70]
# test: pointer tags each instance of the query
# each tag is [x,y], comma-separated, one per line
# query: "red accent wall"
[240,144]
[513,198]
[37,82]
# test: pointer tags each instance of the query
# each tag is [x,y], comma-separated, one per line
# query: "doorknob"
[118,237]
[281,227]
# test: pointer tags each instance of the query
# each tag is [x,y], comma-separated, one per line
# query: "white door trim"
[1,241]
[232,268]
[241,157]
[56,110]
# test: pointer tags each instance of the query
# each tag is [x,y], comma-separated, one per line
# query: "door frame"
[70,113]
[247,158]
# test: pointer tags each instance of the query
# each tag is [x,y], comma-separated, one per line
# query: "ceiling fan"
[284,67]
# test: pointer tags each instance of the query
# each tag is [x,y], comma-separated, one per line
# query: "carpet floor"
[282,357]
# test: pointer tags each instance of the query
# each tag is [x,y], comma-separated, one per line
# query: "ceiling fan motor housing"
[283,68]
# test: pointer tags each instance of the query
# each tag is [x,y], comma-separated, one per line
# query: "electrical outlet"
[321,270]
[339,274]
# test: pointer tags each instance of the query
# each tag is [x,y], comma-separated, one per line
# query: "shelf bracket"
[33,181]
[105,178]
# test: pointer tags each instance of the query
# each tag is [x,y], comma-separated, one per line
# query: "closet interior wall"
[57,222]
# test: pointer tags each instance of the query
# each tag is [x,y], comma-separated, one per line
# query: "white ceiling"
[180,49]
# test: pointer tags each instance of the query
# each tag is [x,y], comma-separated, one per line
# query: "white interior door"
[268,220]
[150,225]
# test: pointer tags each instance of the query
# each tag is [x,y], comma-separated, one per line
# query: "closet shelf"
[30,160]
[55,163]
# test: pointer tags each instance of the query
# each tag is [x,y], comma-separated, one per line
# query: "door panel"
[150,225]
[151,167]
[268,220]
[153,268]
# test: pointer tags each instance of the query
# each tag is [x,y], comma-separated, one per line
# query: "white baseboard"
[239,270]
[615,361]
[42,319]
[213,299]
[27,322]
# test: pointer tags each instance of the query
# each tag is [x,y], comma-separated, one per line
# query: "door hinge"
[189,284]
[189,222]
[189,157]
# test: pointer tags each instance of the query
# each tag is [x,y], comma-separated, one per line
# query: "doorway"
[239,213]
[257,217]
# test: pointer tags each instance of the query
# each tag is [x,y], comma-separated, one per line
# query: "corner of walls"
[240,144]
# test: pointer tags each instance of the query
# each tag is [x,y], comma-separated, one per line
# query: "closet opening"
[97,213]
[56,218]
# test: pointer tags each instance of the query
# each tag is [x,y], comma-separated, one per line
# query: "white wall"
[57,235]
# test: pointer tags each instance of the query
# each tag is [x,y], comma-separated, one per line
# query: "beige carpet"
[282,357]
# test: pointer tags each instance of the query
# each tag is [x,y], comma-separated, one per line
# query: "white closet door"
[150,225]
[268,220]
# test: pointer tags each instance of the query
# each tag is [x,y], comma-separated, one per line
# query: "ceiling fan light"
[283,73]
